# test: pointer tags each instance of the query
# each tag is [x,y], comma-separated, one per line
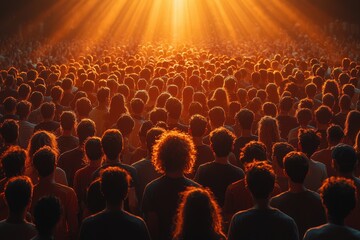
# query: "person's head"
[85,128]
[260,179]
[47,111]
[344,158]
[303,116]
[198,126]
[125,124]
[174,152]
[93,149]
[173,107]
[18,194]
[117,106]
[56,94]
[323,115]
[296,165]
[9,105]
[217,117]
[286,104]
[338,196]
[83,107]
[41,139]
[36,99]
[253,151]
[103,96]
[335,134]
[67,85]
[345,103]
[279,151]
[310,90]
[44,161]
[352,125]
[308,141]
[269,109]
[47,213]
[23,109]
[10,131]
[67,120]
[13,161]
[151,136]
[114,183]
[198,215]
[24,91]
[158,115]
[112,143]
[268,131]
[221,141]
[245,118]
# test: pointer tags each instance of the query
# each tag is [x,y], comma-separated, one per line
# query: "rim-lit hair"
[174,151]
[39,140]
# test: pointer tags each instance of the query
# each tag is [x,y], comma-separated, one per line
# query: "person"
[114,222]
[268,132]
[285,120]
[44,161]
[309,142]
[98,113]
[299,203]
[73,160]
[173,107]
[57,94]
[125,124]
[352,127]
[83,176]
[338,196]
[137,108]
[345,161]
[173,156]
[13,164]
[303,116]
[66,141]
[18,194]
[198,216]
[82,108]
[323,117]
[48,123]
[219,174]
[47,214]
[9,108]
[335,135]
[9,132]
[117,108]
[141,151]
[261,221]
[68,96]
[145,169]
[197,129]
[26,128]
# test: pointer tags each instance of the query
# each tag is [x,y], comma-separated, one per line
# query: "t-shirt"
[218,177]
[67,143]
[204,154]
[286,123]
[113,225]
[70,162]
[332,232]
[20,231]
[324,156]
[315,176]
[50,126]
[304,207]
[162,197]
[256,224]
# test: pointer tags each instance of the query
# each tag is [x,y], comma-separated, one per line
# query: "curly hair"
[174,151]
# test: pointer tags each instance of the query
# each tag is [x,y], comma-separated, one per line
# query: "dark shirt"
[304,207]
[67,143]
[70,162]
[161,197]
[218,177]
[264,224]
[339,119]
[50,126]
[178,126]
[286,123]
[67,99]
[8,92]
[323,140]
[113,225]
[8,116]
[204,154]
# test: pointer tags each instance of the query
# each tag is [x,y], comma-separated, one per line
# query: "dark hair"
[18,193]
[112,143]
[245,118]
[56,93]
[67,84]
[217,116]
[85,128]
[47,110]
[296,165]
[9,104]
[198,125]
[144,128]
[93,148]
[345,102]
[279,151]
[13,161]
[103,94]
[44,161]
[335,134]
[137,105]
[221,141]
[323,115]
[83,106]
[36,98]
[338,195]
[114,184]
[10,131]
[309,141]
[345,158]
[269,109]
[95,201]
[286,104]
[125,124]
[47,213]
[352,125]
[67,120]
[151,136]
[158,115]
[24,91]
[303,116]
[23,109]
[260,179]
[173,106]
[253,150]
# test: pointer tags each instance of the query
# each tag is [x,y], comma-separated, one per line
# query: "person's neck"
[322,126]
[110,161]
[95,163]
[101,106]
[261,203]
[283,113]
[172,121]
[115,207]
[177,174]
[335,221]
[304,125]
[245,133]
[222,160]
[198,141]
[46,180]
[16,218]
[67,133]
[296,187]
[331,145]
[48,120]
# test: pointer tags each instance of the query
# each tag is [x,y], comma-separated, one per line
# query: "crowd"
[257,140]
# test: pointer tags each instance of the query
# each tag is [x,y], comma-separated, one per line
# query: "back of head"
[85,128]
[40,139]
[309,141]
[345,158]
[296,166]
[217,116]
[338,196]
[10,131]
[173,106]
[286,104]
[13,161]
[174,152]
[9,105]
[323,115]
[67,120]
[253,151]
[151,136]
[112,143]
[260,179]
[279,151]
[137,106]
[23,109]
[47,110]
[335,134]
[103,94]
[221,141]
[44,161]
[198,125]
[47,213]
[114,185]
[125,124]
[93,148]
[83,106]
[245,118]
[18,194]
[303,116]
